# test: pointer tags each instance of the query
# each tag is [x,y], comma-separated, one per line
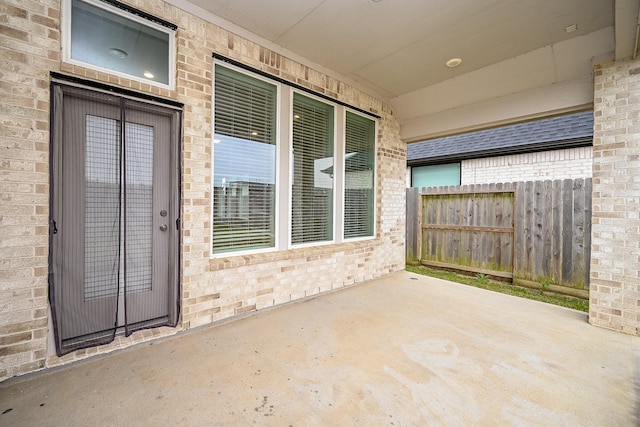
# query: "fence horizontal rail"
[468,228]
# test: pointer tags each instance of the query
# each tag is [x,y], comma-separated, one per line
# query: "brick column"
[615,252]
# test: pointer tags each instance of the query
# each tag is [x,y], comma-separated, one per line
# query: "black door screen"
[114,216]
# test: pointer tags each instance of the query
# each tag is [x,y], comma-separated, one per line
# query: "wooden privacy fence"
[538,231]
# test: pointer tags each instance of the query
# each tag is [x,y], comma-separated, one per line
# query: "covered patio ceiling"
[520,59]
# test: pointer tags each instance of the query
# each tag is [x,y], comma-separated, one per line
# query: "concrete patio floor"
[404,350]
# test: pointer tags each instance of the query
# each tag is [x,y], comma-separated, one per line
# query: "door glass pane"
[139,206]
[102,207]
[102,214]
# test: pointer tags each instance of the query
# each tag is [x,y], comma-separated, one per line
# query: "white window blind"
[359,177]
[312,187]
[244,153]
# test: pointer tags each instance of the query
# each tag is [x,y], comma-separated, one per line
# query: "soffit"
[399,46]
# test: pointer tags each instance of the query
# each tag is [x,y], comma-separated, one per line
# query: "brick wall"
[29,48]
[615,252]
[569,163]
[212,289]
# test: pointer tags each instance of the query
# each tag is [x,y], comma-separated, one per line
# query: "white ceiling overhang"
[518,59]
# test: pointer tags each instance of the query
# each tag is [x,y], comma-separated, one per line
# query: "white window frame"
[279,150]
[343,176]
[336,112]
[284,168]
[66,19]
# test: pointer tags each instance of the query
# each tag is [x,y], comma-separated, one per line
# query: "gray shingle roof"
[557,132]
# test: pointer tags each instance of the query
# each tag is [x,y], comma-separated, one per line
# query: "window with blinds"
[276,190]
[312,177]
[359,177]
[244,162]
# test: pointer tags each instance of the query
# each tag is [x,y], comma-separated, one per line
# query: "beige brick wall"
[615,252]
[29,48]
[212,289]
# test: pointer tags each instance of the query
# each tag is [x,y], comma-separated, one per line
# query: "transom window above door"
[119,40]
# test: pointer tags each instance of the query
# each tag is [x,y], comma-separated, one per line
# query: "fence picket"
[547,227]
[556,244]
[578,234]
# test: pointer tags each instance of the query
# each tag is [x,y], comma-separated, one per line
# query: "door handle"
[163,227]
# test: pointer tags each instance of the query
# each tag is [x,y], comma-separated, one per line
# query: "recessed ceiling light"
[148,74]
[254,133]
[117,52]
[453,62]
[570,28]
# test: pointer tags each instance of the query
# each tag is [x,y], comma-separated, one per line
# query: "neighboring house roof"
[571,130]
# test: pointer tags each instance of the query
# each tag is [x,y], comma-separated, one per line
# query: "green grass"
[483,281]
